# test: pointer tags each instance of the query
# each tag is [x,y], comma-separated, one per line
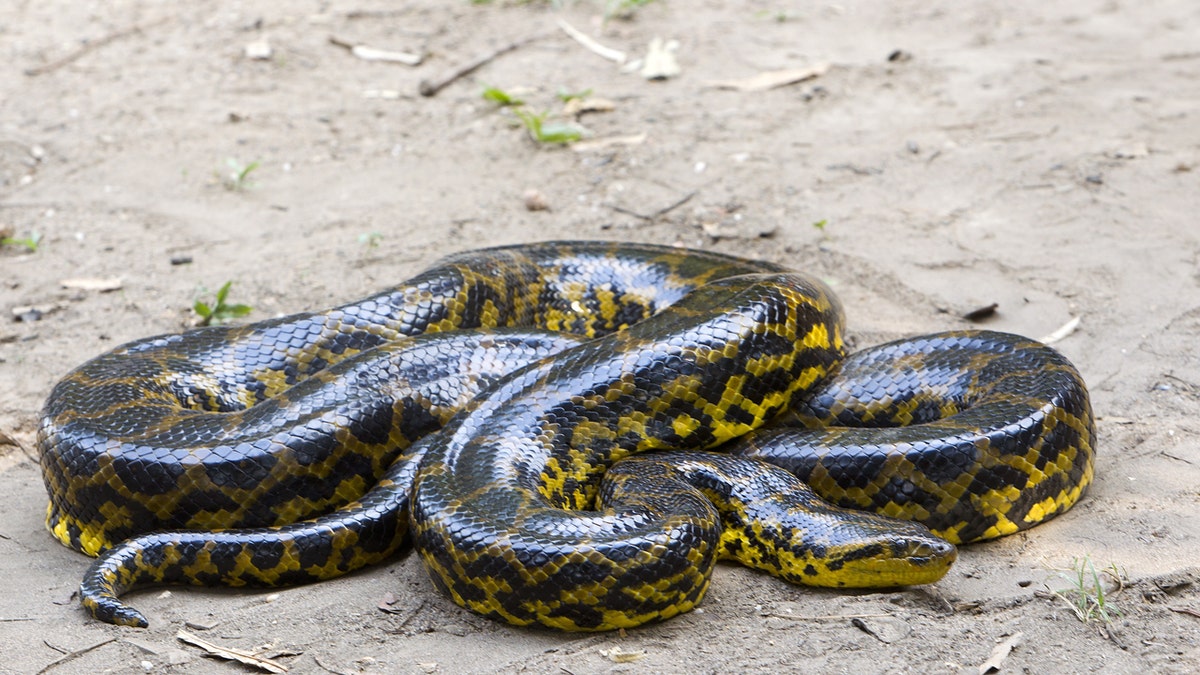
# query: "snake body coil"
[309,441]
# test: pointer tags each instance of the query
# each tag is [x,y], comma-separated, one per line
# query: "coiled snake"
[581,386]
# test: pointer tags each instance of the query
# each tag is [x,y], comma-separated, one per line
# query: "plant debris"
[259,50]
[232,654]
[608,142]
[772,79]
[999,653]
[373,54]
[618,655]
[103,285]
[1063,331]
[981,313]
[432,86]
[660,62]
[614,55]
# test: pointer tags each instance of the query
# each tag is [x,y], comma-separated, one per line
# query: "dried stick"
[85,49]
[70,656]
[433,86]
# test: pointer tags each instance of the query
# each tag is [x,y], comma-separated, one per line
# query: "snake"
[569,434]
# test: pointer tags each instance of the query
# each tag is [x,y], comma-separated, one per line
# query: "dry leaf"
[660,62]
[90,284]
[772,79]
[232,654]
[259,50]
[578,106]
[616,655]
[999,653]
[981,313]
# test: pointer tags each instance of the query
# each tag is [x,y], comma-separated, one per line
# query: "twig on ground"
[664,210]
[71,656]
[999,653]
[772,79]
[1066,329]
[91,46]
[6,439]
[614,55]
[432,86]
[327,669]
[829,617]
[373,54]
[412,614]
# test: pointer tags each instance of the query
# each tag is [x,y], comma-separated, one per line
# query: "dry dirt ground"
[1041,156]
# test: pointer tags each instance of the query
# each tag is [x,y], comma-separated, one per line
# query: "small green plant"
[219,312]
[501,97]
[568,96]
[543,132]
[820,225]
[776,15]
[1086,596]
[370,239]
[623,9]
[30,243]
[238,178]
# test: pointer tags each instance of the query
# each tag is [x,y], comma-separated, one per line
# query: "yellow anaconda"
[303,447]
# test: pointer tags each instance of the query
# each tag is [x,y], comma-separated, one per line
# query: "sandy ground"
[1041,156]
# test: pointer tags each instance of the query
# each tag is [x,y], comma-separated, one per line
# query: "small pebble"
[535,200]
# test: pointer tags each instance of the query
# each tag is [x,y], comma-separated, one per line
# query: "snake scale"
[539,422]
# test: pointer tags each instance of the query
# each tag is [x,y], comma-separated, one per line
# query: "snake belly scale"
[538,421]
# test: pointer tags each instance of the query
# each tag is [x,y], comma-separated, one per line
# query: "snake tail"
[536,446]
[771,521]
[357,535]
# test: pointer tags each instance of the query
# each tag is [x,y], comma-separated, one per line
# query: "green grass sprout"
[501,97]
[238,178]
[552,132]
[30,243]
[1086,596]
[623,9]
[568,96]
[370,239]
[219,312]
